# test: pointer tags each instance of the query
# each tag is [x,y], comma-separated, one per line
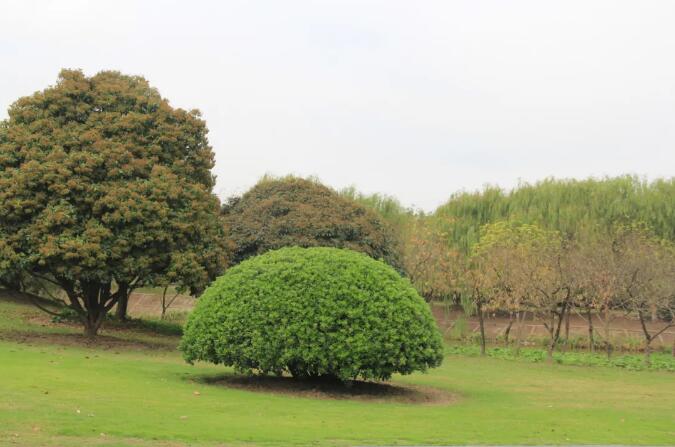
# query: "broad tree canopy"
[293,211]
[104,187]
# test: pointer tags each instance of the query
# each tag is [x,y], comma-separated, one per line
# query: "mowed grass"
[55,394]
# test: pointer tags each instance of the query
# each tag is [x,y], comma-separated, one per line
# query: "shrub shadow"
[323,389]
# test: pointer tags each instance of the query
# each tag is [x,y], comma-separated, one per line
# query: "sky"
[414,99]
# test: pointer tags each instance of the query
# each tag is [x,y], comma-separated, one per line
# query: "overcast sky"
[417,99]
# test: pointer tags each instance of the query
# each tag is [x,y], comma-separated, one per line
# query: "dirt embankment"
[148,304]
[620,328]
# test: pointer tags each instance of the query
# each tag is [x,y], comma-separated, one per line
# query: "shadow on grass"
[331,389]
[101,342]
[149,326]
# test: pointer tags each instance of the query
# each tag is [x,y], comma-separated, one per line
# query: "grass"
[660,361]
[140,393]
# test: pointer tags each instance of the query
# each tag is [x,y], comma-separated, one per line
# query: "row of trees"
[582,253]
[523,268]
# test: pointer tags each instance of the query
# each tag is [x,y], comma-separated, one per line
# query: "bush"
[314,312]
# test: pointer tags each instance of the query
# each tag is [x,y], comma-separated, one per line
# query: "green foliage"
[292,211]
[564,205]
[513,234]
[460,328]
[160,327]
[391,210]
[314,312]
[660,361]
[104,185]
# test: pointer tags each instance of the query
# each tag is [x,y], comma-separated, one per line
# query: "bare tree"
[647,268]
[428,260]
[521,267]
[480,289]
[595,270]
[167,301]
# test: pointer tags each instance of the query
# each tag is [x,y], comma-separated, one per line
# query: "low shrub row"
[659,361]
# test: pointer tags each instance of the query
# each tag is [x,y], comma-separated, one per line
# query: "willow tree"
[567,206]
[104,187]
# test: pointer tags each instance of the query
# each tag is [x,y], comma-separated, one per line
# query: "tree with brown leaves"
[104,187]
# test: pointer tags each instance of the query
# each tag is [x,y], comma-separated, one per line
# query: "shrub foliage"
[314,312]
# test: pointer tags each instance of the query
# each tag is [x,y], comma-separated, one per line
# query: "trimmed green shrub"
[314,312]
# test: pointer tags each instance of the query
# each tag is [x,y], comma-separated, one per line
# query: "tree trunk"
[555,330]
[507,331]
[567,327]
[164,303]
[122,302]
[549,352]
[551,340]
[481,323]
[648,339]
[591,341]
[520,321]
[91,328]
[93,320]
[608,341]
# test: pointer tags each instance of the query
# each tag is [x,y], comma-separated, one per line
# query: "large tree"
[292,211]
[104,187]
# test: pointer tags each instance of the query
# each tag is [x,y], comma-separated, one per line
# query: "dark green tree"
[104,187]
[301,212]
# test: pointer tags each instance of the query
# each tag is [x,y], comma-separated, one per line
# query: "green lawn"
[53,394]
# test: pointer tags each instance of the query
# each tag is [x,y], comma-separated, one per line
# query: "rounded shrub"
[291,211]
[314,312]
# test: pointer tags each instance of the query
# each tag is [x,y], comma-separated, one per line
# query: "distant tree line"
[567,206]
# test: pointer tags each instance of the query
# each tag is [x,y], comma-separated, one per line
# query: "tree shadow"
[101,342]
